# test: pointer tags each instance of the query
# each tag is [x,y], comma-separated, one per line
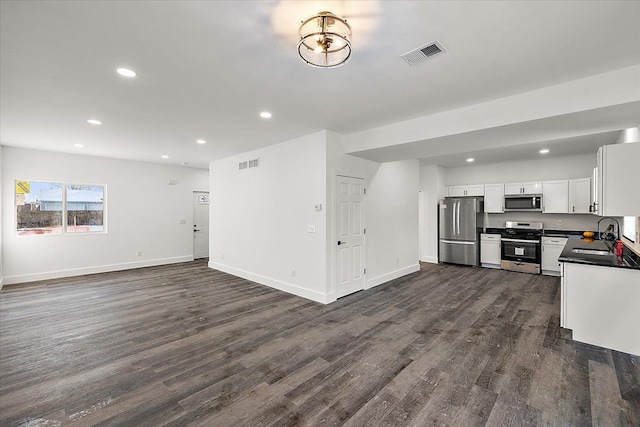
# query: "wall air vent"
[421,54]
[242,165]
[254,163]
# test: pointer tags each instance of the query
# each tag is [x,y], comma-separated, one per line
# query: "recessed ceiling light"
[78,145]
[470,159]
[164,156]
[544,151]
[94,122]
[126,72]
[201,141]
[265,115]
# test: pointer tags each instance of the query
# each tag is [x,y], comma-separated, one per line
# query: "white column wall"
[143,213]
[432,186]
[1,227]
[392,222]
[259,217]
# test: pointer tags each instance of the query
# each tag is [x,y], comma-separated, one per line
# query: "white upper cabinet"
[617,180]
[555,196]
[523,188]
[494,198]
[580,195]
[465,190]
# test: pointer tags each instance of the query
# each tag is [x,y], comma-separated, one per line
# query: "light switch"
[183,221]
[318,207]
[311,228]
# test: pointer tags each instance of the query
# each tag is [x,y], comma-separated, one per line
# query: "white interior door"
[350,241]
[200,225]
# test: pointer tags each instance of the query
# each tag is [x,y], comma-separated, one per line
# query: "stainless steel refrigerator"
[460,218]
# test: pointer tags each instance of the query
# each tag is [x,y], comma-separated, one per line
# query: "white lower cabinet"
[490,254]
[601,304]
[551,249]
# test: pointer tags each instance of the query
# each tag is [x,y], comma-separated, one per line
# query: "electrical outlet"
[293,272]
[139,253]
[183,221]
[397,261]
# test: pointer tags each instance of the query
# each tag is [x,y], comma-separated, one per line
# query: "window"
[629,228]
[38,207]
[44,207]
[85,208]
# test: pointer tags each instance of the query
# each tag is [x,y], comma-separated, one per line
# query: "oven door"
[521,250]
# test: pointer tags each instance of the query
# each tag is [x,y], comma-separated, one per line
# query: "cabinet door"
[494,198]
[550,254]
[532,187]
[513,188]
[555,196]
[474,190]
[579,195]
[617,170]
[490,252]
[456,191]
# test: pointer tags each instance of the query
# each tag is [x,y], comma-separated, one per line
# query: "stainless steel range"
[521,246]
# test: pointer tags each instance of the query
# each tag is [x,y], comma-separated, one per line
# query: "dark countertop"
[569,234]
[628,260]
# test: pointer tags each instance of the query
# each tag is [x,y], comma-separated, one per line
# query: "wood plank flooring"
[184,345]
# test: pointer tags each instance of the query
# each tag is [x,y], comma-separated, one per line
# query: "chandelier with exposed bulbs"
[325,40]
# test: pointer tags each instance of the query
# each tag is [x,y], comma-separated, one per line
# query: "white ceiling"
[207,68]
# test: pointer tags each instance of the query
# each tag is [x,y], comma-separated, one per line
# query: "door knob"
[341,243]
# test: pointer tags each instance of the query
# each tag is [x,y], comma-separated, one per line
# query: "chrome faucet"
[608,217]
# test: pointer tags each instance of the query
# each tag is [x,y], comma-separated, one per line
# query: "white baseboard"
[22,278]
[429,259]
[392,275]
[274,283]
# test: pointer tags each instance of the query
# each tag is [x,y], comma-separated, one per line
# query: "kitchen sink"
[590,251]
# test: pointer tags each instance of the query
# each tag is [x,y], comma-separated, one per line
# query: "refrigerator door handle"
[453,218]
[458,218]
[457,242]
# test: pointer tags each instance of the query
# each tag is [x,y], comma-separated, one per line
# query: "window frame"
[64,231]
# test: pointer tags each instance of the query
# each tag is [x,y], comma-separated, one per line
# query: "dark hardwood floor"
[184,345]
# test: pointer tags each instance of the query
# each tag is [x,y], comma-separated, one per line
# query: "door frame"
[334,229]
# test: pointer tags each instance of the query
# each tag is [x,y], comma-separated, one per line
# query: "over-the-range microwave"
[523,202]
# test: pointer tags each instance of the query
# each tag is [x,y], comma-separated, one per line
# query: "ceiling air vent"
[421,54]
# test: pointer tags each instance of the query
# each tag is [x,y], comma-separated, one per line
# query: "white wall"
[544,169]
[259,217]
[392,222]
[629,135]
[143,213]
[433,189]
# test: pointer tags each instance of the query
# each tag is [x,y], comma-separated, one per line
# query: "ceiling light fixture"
[265,115]
[126,72]
[544,151]
[201,141]
[325,40]
[94,122]
[164,156]
[78,145]
[470,159]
